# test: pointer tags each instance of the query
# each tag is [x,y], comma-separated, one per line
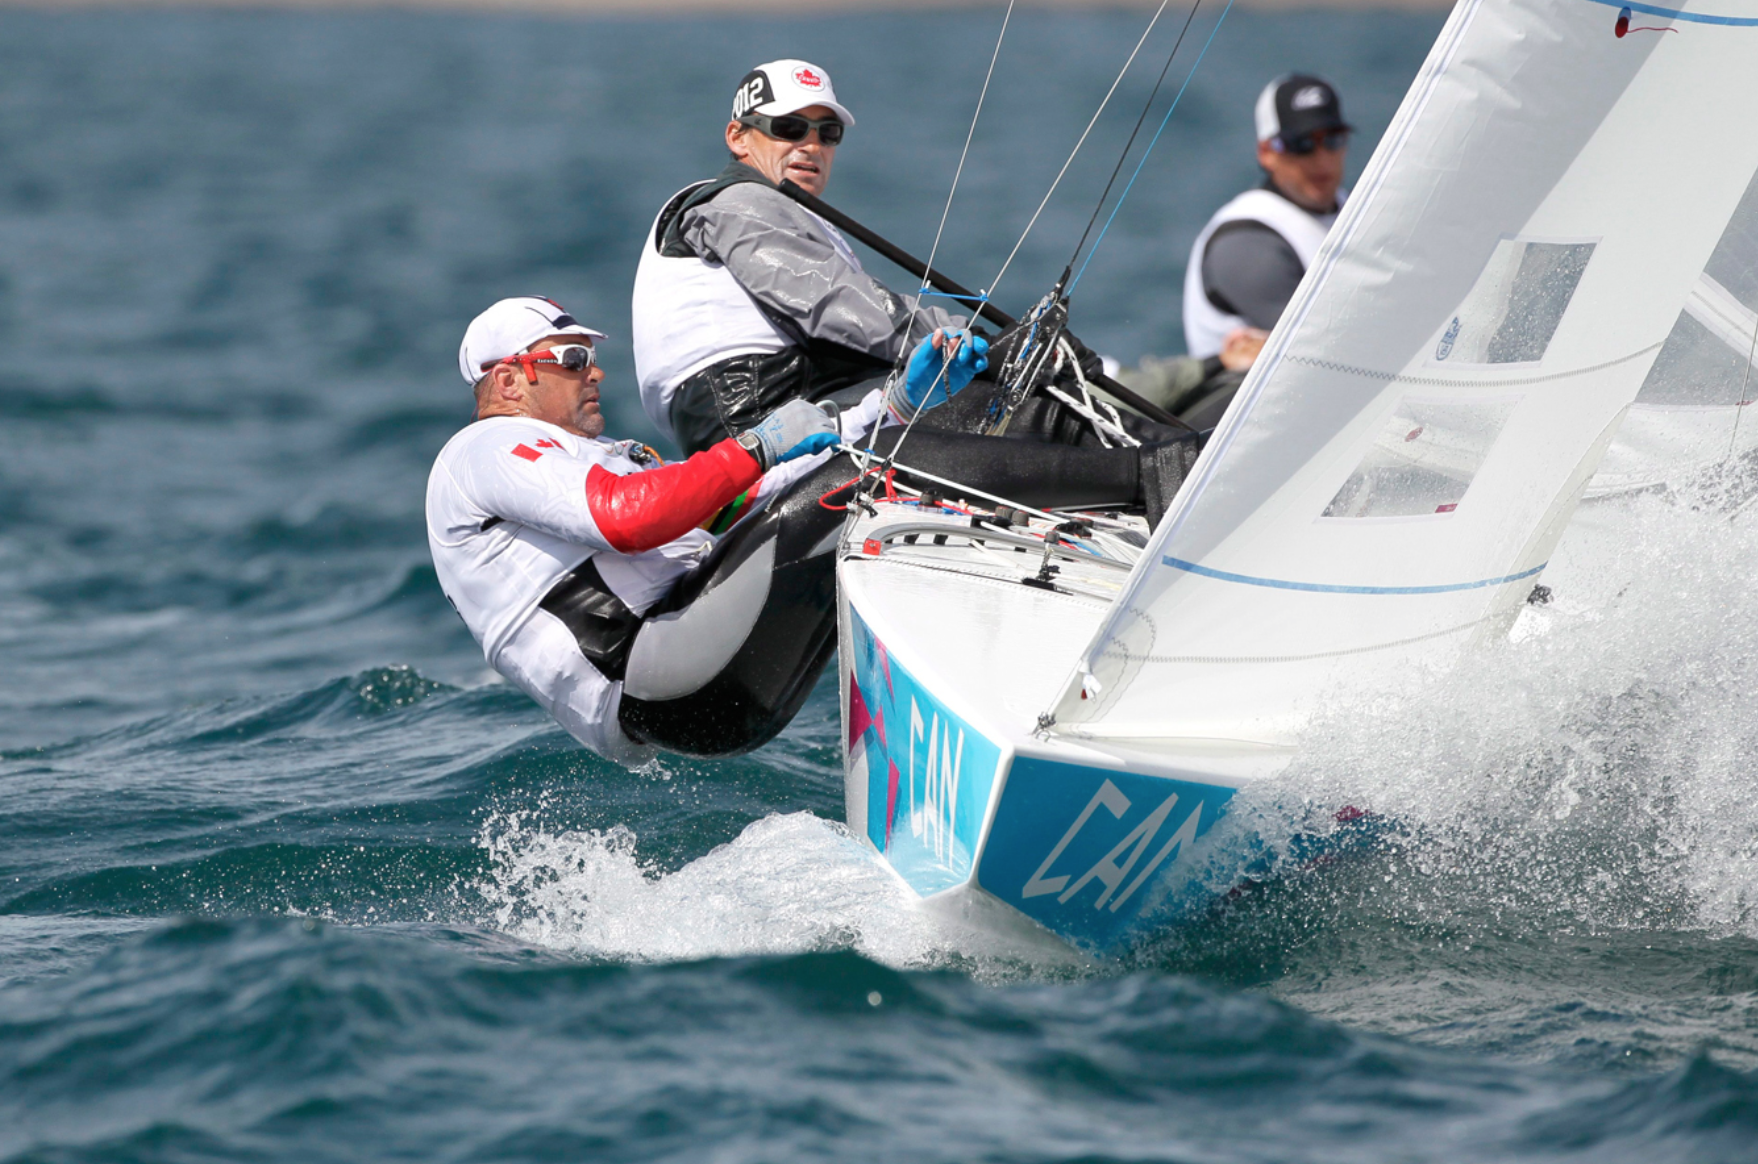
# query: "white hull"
[947,776]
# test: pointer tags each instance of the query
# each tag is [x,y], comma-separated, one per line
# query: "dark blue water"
[284,875]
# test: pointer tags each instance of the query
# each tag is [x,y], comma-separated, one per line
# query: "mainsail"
[1538,220]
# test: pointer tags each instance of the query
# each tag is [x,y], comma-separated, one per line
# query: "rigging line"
[1128,145]
[1154,141]
[946,211]
[904,351]
[1734,436]
[1071,156]
[989,291]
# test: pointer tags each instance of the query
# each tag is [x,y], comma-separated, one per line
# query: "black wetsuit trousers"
[725,660]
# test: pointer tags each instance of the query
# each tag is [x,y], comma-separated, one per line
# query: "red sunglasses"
[573,357]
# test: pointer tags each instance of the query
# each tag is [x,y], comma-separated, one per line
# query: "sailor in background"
[1196,390]
[1254,251]
[581,564]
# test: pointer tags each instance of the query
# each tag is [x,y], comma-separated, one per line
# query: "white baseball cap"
[511,326]
[786,87]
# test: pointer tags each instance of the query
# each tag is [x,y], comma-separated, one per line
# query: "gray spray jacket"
[798,269]
[787,265]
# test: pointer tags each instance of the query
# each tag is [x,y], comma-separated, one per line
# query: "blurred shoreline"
[690,7]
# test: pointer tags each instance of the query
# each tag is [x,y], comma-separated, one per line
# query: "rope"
[904,349]
[1102,415]
[889,476]
[1156,138]
[979,300]
[1109,93]
[891,457]
[1124,155]
[1083,137]
[946,211]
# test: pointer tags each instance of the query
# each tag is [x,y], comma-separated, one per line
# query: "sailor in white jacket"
[582,564]
[1253,252]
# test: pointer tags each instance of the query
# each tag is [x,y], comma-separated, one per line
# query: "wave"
[354,799]
[271,1039]
[85,403]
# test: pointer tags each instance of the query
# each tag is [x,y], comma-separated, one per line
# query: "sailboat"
[1045,715]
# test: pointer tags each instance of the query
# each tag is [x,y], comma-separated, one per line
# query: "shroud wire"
[903,354]
[1156,138]
[1072,153]
[1124,155]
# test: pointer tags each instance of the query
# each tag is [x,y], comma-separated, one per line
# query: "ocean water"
[285,875]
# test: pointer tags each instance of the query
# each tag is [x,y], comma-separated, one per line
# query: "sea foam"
[1594,767]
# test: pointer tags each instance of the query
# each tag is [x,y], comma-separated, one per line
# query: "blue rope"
[924,293]
[1144,157]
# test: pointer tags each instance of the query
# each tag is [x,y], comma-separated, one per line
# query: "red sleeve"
[644,510]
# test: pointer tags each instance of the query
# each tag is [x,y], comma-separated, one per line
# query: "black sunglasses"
[1302,144]
[793,127]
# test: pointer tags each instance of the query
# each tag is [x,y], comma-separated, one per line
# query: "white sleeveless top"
[1205,325]
[689,313]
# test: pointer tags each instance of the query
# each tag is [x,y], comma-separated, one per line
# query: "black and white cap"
[786,87]
[511,326]
[1295,104]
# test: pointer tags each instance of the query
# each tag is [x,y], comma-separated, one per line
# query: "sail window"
[1423,459]
[1706,359]
[1700,364]
[1516,304]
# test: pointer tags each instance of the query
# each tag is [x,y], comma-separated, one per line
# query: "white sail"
[1392,478]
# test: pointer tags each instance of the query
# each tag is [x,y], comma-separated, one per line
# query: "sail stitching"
[1341,234]
[1454,382]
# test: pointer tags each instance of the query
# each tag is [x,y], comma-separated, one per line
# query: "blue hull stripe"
[1327,588]
[1675,14]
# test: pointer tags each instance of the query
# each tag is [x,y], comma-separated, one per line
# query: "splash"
[790,883]
[1594,770]
[1590,772]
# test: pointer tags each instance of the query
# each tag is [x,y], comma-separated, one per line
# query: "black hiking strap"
[599,621]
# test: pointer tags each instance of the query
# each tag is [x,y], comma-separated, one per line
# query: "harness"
[731,395]
[600,622]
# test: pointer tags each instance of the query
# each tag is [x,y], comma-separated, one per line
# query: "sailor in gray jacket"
[1254,251]
[744,298]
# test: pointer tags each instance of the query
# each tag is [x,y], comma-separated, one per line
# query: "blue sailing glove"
[930,372]
[796,429]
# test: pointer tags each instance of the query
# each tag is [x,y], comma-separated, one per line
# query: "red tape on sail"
[1622,27]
